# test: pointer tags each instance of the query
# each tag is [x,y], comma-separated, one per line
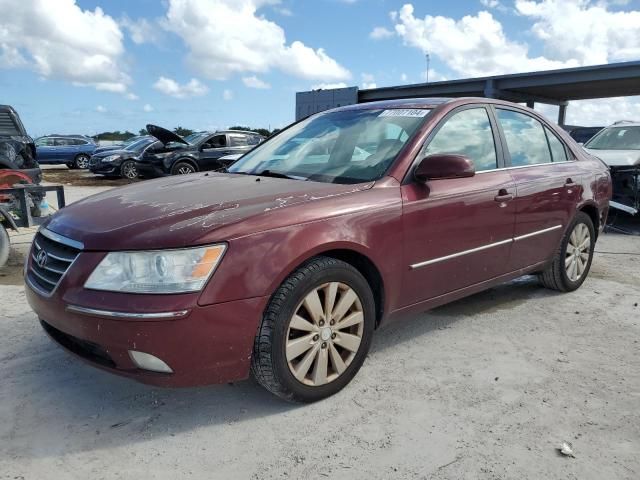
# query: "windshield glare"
[138,145]
[352,146]
[616,138]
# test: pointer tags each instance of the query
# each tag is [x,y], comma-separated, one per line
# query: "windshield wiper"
[271,173]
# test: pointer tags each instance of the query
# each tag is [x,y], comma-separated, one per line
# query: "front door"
[212,149]
[458,232]
[547,183]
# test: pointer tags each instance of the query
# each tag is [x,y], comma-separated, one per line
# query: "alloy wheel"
[324,334]
[129,170]
[82,161]
[185,170]
[577,254]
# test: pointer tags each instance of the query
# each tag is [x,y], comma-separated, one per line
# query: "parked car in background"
[199,151]
[619,147]
[73,151]
[285,265]
[584,134]
[122,162]
[119,145]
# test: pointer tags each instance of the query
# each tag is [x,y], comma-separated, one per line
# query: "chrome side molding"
[129,315]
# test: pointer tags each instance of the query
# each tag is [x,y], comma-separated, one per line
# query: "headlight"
[159,271]
[111,158]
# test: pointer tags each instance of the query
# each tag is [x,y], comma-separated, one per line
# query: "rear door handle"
[503,196]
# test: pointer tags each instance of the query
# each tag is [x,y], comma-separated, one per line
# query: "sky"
[87,66]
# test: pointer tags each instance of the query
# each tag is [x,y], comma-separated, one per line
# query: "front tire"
[315,332]
[128,170]
[571,263]
[81,161]
[182,168]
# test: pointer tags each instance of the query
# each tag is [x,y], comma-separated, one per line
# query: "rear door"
[458,232]
[45,149]
[547,182]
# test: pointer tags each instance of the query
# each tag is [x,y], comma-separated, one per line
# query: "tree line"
[117,135]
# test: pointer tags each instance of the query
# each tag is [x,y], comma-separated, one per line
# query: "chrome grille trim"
[60,251]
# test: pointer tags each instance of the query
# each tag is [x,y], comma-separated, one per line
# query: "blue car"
[74,151]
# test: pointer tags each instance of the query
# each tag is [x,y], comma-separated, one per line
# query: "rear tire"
[571,263]
[128,170]
[315,332]
[183,168]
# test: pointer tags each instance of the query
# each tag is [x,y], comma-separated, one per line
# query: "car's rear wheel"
[571,263]
[183,168]
[81,161]
[128,170]
[315,332]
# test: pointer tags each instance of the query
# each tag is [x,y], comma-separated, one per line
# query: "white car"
[619,147]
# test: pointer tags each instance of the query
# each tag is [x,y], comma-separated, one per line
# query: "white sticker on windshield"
[404,112]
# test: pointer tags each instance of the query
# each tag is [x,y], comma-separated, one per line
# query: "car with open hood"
[122,162]
[119,146]
[286,264]
[200,151]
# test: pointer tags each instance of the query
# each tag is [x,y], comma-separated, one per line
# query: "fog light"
[146,361]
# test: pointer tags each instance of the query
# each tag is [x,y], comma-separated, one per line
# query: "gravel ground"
[484,388]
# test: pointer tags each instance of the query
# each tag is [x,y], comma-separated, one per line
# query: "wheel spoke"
[299,323]
[330,292]
[313,306]
[353,319]
[336,359]
[346,300]
[304,365]
[348,341]
[320,367]
[579,266]
[567,261]
[573,240]
[298,346]
[573,269]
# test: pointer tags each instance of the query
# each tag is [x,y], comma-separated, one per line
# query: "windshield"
[195,137]
[352,146]
[616,138]
[139,145]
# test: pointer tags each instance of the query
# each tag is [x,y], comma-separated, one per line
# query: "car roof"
[624,123]
[397,103]
[246,132]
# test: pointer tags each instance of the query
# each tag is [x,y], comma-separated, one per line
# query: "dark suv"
[197,152]
[72,150]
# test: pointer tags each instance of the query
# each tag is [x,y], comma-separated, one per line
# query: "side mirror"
[441,166]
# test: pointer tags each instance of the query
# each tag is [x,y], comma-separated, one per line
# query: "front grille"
[89,350]
[58,257]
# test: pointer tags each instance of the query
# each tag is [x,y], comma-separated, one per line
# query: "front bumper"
[205,345]
[150,170]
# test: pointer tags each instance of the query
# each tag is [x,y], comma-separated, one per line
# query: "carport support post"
[562,114]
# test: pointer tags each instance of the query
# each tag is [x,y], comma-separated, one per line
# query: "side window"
[62,142]
[217,141]
[558,151]
[44,142]
[238,141]
[467,133]
[253,140]
[525,138]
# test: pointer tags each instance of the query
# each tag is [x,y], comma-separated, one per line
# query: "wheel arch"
[592,210]
[359,260]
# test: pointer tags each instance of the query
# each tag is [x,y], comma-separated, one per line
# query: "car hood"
[164,135]
[188,210]
[108,153]
[108,148]
[617,158]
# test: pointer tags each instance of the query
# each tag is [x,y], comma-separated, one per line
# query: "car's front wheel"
[571,263]
[183,168]
[315,332]
[81,161]
[128,170]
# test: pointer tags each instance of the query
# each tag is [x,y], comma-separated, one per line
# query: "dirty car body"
[380,227]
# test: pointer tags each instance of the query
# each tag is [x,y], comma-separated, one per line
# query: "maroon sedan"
[286,264]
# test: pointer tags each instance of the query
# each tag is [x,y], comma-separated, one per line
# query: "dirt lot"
[486,388]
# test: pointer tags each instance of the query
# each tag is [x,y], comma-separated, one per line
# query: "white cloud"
[141,30]
[229,36]
[403,77]
[329,86]
[147,108]
[255,82]
[490,3]
[101,109]
[227,95]
[131,96]
[63,42]
[379,33]
[168,86]
[472,46]
[368,81]
[583,31]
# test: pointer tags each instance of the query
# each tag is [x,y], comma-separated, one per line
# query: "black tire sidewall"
[337,273]
[570,285]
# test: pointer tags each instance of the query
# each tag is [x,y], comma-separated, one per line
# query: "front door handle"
[503,195]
